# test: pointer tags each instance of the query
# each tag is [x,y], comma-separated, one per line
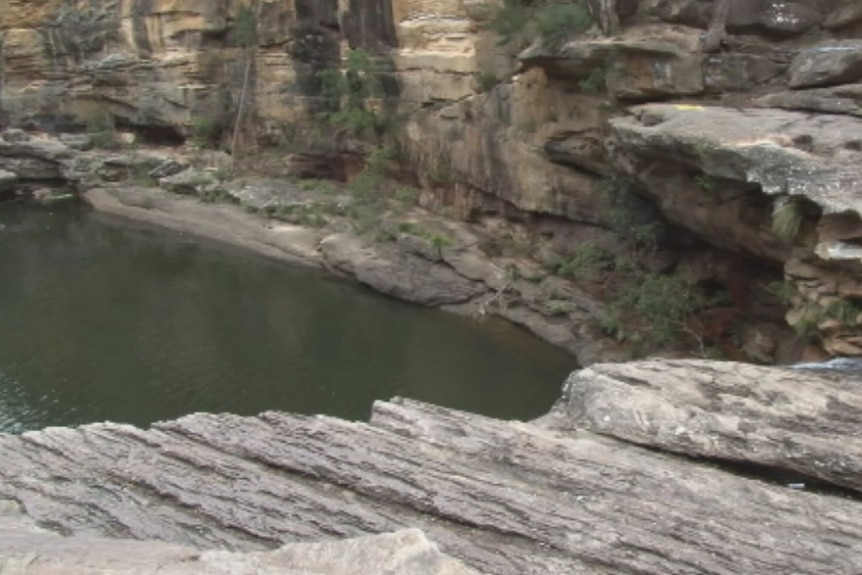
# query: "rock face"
[512,125]
[504,497]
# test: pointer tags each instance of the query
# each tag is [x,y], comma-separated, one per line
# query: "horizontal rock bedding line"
[505,497]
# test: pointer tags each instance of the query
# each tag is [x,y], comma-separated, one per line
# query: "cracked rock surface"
[504,497]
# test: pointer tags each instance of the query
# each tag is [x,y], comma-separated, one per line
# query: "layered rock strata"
[523,128]
[504,497]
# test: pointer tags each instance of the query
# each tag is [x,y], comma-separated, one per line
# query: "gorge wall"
[735,169]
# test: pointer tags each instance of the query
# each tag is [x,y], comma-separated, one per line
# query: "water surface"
[105,320]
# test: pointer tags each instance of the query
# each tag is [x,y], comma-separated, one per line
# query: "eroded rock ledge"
[504,497]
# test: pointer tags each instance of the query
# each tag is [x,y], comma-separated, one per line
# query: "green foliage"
[594,83]
[314,185]
[551,20]
[356,96]
[406,195]
[645,236]
[441,171]
[585,262]
[786,219]
[707,183]
[312,215]
[627,215]
[665,302]
[843,311]
[437,240]
[245,27]
[486,81]
[217,194]
[806,323]
[557,307]
[102,133]
[206,132]
[647,309]
[783,290]
[370,191]
[812,315]
[557,20]
[509,19]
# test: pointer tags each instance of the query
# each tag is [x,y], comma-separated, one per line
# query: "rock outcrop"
[503,497]
[792,420]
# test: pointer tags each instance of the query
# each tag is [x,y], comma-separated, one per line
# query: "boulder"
[826,64]
[795,421]
[395,271]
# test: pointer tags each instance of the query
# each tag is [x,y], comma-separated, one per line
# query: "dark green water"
[102,320]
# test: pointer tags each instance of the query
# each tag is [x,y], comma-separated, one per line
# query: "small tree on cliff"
[245,36]
[356,97]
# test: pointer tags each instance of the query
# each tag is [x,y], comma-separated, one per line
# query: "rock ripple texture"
[503,497]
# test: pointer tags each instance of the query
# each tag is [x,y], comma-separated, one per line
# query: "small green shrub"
[486,81]
[558,20]
[440,172]
[843,311]
[308,185]
[406,195]
[217,194]
[783,290]
[595,82]
[666,302]
[206,132]
[585,262]
[786,219]
[707,183]
[509,19]
[245,27]
[103,133]
[356,97]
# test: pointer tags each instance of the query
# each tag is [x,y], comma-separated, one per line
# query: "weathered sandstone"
[504,497]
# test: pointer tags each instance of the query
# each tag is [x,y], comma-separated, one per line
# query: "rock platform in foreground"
[25,550]
[503,497]
[793,420]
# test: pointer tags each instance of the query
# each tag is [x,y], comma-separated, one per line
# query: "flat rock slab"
[219,222]
[843,99]
[784,152]
[394,271]
[796,420]
[504,497]
[36,552]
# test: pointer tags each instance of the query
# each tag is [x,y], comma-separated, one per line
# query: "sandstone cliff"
[729,176]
